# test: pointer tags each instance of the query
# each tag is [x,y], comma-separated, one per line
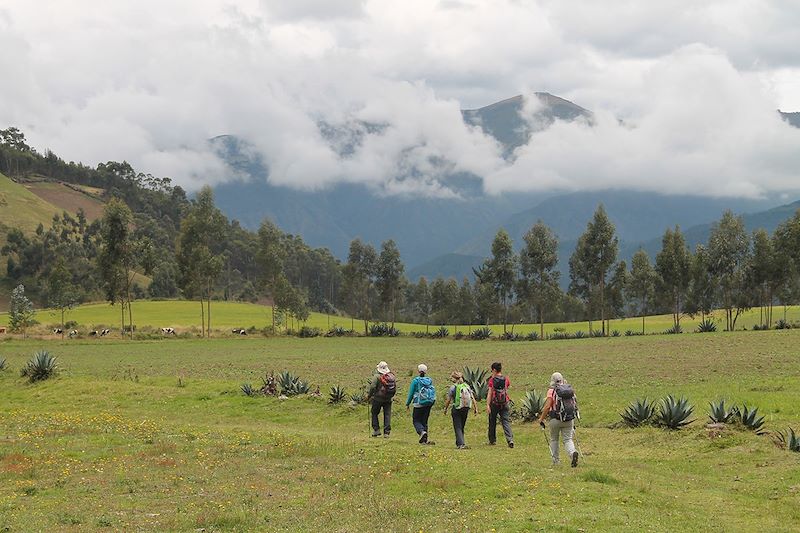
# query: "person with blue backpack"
[422,393]
[462,397]
[561,406]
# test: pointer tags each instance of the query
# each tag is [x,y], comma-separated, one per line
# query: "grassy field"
[157,436]
[185,315]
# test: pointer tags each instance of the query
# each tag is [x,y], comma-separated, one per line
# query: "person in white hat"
[562,408]
[381,392]
[422,393]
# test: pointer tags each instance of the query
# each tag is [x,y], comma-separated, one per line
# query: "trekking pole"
[577,445]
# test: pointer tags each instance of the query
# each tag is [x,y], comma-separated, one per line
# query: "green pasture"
[185,316]
[155,435]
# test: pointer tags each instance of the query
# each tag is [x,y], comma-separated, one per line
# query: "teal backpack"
[426,395]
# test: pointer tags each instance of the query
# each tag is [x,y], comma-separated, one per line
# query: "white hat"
[383,368]
[422,368]
[556,378]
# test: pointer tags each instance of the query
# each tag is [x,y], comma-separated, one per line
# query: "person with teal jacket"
[422,393]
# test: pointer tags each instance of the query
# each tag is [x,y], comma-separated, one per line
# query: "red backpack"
[500,396]
[387,386]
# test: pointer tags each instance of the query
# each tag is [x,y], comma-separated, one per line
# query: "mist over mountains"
[448,234]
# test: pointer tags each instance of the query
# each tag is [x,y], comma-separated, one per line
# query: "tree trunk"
[122,326]
[130,317]
[208,303]
[642,322]
[541,321]
[62,323]
[202,318]
[602,307]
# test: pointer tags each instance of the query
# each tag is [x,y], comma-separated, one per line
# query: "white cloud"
[149,82]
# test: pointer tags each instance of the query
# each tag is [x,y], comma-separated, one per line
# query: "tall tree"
[499,271]
[362,262]
[200,260]
[423,301]
[592,262]
[702,285]
[539,277]
[466,303]
[389,277]
[61,292]
[270,257]
[672,264]
[729,253]
[641,283]
[763,273]
[21,312]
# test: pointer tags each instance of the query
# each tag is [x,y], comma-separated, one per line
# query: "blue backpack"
[426,395]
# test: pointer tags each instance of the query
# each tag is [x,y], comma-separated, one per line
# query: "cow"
[104,332]
[57,331]
[239,331]
[93,333]
[73,333]
[168,331]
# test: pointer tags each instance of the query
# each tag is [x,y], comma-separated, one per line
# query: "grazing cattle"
[73,333]
[168,331]
[239,331]
[93,333]
[104,332]
[57,331]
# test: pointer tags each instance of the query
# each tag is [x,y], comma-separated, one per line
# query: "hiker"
[463,398]
[497,404]
[561,406]
[423,394]
[381,391]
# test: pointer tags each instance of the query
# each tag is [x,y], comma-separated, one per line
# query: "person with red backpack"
[561,406]
[381,392]
[497,403]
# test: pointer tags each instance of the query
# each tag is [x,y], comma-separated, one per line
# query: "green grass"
[114,443]
[185,315]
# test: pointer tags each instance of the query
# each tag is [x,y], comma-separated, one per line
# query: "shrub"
[40,367]
[70,324]
[674,414]
[580,334]
[248,390]
[480,334]
[674,330]
[508,336]
[359,397]
[790,440]
[707,326]
[440,333]
[3,365]
[559,335]
[749,418]
[337,395]
[383,330]
[760,327]
[532,405]
[459,335]
[615,333]
[639,412]
[338,331]
[596,333]
[532,336]
[292,385]
[719,413]
[307,332]
[476,379]
[782,324]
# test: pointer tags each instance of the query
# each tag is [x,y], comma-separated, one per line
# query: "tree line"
[154,241]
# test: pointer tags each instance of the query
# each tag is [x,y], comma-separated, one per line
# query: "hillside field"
[157,436]
[185,316]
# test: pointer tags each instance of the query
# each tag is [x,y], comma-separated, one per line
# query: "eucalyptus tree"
[672,265]
[538,275]
[729,254]
[641,284]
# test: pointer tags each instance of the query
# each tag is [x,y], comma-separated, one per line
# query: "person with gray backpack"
[382,389]
[462,397]
[561,406]
[422,393]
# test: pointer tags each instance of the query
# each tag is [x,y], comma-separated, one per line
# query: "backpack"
[387,386]
[500,396]
[463,396]
[566,405]
[426,395]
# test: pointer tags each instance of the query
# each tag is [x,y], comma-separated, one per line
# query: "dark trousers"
[420,417]
[505,419]
[459,423]
[377,405]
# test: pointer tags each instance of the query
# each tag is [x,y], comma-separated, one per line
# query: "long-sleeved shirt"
[414,388]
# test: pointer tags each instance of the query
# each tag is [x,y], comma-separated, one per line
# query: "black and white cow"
[239,331]
[168,331]
[57,331]
[104,332]
[72,333]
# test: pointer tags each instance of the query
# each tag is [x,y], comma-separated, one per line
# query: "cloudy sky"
[696,85]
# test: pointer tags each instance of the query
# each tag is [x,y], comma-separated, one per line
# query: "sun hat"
[383,368]
[422,368]
[556,378]
[456,376]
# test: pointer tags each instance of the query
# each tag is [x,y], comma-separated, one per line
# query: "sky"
[685,93]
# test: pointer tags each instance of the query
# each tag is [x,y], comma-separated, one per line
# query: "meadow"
[156,435]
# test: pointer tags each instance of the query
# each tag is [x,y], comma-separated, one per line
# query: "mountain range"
[445,236]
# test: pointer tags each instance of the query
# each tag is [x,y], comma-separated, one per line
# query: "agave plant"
[639,412]
[248,389]
[476,379]
[750,419]
[560,335]
[532,336]
[719,413]
[782,324]
[292,385]
[440,333]
[2,364]
[674,330]
[790,440]
[40,367]
[615,333]
[580,334]
[359,397]
[707,326]
[532,405]
[674,413]
[337,395]
[480,334]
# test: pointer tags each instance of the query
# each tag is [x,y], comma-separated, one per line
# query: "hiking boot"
[376,433]
[510,444]
[574,459]
[423,439]
[463,447]
[385,435]
[430,443]
[491,443]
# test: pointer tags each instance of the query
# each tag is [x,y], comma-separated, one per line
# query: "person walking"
[422,393]
[497,405]
[462,398]
[561,406]
[382,389]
